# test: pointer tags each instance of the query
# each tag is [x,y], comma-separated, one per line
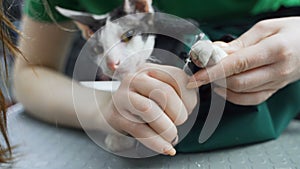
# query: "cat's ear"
[94,22]
[133,6]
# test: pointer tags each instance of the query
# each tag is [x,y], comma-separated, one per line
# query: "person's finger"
[254,35]
[245,59]
[163,94]
[168,132]
[273,85]
[145,108]
[244,98]
[225,46]
[148,137]
[258,32]
[249,79]
[152,114]
[178,80]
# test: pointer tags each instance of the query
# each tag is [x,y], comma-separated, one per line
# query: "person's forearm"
[44,91]
[48,96]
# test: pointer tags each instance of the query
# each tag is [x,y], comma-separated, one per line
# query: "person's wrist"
[109,119]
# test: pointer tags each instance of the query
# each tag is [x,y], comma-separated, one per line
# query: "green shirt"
[197,9]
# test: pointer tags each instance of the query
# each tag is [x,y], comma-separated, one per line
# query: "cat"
[115,46]
[117,42]
[127,37]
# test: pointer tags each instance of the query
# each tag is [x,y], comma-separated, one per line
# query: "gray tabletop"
[44,146]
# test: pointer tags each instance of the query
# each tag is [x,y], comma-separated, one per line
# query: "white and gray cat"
[117,46]
[117,42]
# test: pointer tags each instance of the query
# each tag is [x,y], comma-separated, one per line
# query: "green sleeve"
[44,10]
[273,5]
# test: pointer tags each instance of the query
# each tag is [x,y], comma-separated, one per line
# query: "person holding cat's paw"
[150,104]
[260,62]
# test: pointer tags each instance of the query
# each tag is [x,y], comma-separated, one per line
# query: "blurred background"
[13,10]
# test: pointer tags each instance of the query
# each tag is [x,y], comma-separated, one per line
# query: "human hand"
[260,62]
[150,104]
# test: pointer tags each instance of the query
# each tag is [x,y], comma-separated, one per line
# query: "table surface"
[44,146]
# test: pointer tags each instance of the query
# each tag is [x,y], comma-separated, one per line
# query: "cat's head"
[120,46]
[125,48]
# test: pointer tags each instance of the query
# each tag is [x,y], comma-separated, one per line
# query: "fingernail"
[191,85]
[170,152]
[221,44]
[175,141]
[151,73]
[224,45]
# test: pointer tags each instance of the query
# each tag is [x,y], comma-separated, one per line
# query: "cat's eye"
[127,36]
[98,49]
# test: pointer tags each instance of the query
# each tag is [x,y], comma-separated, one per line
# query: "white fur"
[71,13]
[131,54]
[128,6]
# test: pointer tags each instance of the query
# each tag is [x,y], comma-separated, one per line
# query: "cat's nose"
[113,65]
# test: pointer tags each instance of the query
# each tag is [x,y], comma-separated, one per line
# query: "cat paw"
[204,53]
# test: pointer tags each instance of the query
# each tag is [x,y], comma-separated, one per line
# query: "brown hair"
[7,45]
